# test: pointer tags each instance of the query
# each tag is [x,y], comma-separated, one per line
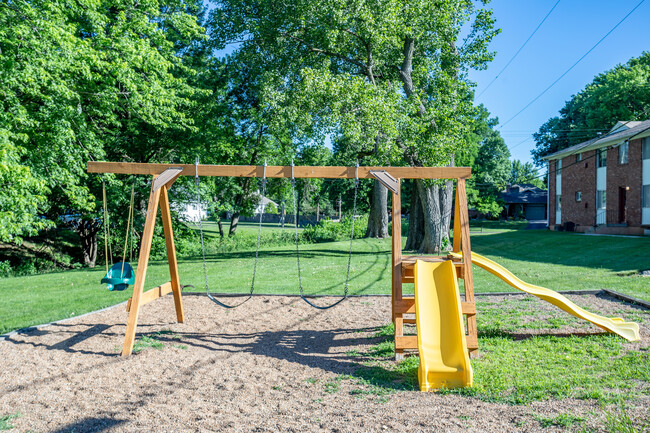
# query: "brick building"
[603,185]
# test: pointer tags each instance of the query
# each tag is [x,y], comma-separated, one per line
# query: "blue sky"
[567,34]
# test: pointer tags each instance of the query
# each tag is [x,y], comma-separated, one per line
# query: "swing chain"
[259,228]
[347,277]
[198,203]
[259,233]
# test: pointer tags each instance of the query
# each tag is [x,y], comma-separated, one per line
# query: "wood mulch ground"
[274,364]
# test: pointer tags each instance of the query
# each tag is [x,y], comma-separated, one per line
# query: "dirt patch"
[274,364]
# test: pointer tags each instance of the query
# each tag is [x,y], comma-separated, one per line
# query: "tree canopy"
[84,80]
[621,93]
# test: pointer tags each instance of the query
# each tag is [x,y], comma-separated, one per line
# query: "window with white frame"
[623,151]
[558,202]
[579,157]
[601,158]
[578,195]
[646,148]
[645,199]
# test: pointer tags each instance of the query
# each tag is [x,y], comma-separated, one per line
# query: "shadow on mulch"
[91,425]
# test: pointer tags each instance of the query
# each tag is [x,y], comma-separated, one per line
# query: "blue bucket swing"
[120,275]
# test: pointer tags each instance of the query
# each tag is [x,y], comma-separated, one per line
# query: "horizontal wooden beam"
[411,342]
[283,171]
[152,294]
[407,306]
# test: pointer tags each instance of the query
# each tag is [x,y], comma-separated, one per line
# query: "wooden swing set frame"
[164,175]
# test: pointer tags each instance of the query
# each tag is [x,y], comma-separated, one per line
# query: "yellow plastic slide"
[627,330]
[444,361]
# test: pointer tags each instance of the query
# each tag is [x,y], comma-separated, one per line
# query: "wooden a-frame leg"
[463,215]
[141,272]
[171,253]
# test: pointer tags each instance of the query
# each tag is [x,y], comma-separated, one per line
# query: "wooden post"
[141,272]
[398,318]
[171,252]
[461,206]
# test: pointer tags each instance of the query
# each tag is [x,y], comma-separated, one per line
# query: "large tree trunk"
[430,231]
[416,221]
[220,224]
[87,230]
[378,217]
[233,223]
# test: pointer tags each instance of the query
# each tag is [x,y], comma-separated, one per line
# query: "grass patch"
[562,420]
[146,342]
[154,341]
[619,421]
[5,421]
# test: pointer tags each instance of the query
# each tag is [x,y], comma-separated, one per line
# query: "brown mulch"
[274,364]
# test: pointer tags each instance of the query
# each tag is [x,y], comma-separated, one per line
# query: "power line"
[573,66]
[519,50]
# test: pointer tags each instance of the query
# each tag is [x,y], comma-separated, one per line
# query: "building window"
[558,202]
[578,195]
[601,200]
[646,148]
[558,166]
[646,196]
[601,158]
[623,151]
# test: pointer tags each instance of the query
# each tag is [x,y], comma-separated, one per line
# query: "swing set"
[164,175]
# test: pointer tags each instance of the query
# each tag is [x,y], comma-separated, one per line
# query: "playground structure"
[164,175]
[446,336]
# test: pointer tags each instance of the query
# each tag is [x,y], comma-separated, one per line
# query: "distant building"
[525,200]
[190,212]
[263,204]
[603,185]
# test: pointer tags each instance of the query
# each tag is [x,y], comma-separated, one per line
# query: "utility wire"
[573,66]
[519,50]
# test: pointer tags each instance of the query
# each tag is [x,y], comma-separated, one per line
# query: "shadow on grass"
[518,336]
[569,249]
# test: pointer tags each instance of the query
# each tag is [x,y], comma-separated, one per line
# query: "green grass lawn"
[559,261]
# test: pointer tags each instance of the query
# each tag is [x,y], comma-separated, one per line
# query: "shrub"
[331,231]
[5,269]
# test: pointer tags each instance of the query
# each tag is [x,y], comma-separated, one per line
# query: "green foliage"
[334,68]
[620,94]
[488,155]
[521,173]
[86,80]
[332,231]
[271,208]
[22,195]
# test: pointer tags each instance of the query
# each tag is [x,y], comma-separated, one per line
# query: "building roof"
[524,193]
[619,133]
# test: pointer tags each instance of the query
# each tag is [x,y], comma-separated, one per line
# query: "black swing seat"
[117,279]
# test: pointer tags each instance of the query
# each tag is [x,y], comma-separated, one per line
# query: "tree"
[521,173]
[388,76]
[621,93]
[87,80]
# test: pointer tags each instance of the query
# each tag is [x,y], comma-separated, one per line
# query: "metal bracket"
[166,176]
[387,180]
